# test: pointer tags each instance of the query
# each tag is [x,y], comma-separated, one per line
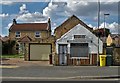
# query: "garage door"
[79,50]
[40,51]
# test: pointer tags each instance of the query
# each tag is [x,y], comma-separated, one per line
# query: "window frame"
[17,35]
[79,36]
[79,45]
[36,34]
[17,47]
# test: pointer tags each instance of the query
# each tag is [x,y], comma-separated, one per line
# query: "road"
[57,73]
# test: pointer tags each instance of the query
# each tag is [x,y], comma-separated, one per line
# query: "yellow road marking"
[1,66]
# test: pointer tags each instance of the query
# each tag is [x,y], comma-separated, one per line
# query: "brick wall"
[31,34]
[94,59]
[66,27]
[49,40]
[116,56]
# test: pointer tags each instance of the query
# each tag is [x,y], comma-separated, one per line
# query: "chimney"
[14,21]
[49,24]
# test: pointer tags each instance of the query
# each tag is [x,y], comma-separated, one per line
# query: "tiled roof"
[29,27]
[25,39]
[115,35]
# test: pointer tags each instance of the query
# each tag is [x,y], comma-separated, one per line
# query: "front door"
[62,54]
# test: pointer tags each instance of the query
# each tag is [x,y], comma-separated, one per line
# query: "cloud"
[25,16]
[96,0]
[90,25]
[85,10]
[23,9]
[114,27]
[79,8]
[4,15]
[9,25]
[55,10]
[59,11]
[6,2]
[32,17]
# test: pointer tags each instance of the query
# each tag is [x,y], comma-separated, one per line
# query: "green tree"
[8,46]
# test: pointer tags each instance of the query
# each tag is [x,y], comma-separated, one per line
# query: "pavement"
[21,62]
[18,69]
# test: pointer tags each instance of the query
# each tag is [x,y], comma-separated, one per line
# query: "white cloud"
[83,8]
[79,8]
[28,0]
[90,25]
[4,15]
[6,2]
[114,28]
[32,17]
[25,16]
[97,0]
[9,25]
[23,9]
[57,10]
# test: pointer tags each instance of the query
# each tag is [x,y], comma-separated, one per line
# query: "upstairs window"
[17,34]
[79,36]
[37,34]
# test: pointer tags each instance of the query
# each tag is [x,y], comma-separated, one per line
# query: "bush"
[8,46]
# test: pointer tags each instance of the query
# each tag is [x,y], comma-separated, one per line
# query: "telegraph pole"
[98,31]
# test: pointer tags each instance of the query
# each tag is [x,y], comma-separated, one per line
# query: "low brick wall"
[77,61]
[94,59]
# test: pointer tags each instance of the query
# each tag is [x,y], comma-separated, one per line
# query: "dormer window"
[37,34]
[17,34]
[79,36]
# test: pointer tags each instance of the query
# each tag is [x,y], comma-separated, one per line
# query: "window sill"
[79,57]
[17,37]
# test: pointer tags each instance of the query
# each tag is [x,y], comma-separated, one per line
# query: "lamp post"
[105,33]
[104,23]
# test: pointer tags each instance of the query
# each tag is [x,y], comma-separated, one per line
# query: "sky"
[33,11]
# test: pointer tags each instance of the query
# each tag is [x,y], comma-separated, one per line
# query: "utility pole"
[98,31]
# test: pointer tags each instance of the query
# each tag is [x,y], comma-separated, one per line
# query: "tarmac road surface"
[60,73]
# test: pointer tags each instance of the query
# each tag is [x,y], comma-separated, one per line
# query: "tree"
[101,32]
[112,44]
[8,46]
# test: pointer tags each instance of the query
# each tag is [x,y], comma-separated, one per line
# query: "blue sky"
[34,12]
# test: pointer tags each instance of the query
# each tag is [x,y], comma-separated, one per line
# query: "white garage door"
[40,51]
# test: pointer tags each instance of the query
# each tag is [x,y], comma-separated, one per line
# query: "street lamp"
[104,43]
[104,24]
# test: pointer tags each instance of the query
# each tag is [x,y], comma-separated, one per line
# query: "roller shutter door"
[79,50]
[40,52]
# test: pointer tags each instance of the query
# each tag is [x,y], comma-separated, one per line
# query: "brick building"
[33,40]
[76,43]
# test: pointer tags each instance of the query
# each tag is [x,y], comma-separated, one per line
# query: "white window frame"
[37,34]
[17,35]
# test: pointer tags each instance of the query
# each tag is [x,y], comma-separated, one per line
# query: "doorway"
[62,52]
